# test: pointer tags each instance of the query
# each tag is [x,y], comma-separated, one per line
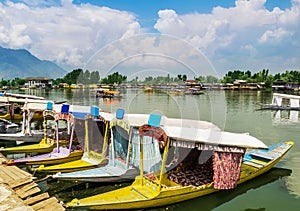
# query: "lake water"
[234,111]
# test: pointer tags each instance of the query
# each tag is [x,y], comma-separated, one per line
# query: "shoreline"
[18,191]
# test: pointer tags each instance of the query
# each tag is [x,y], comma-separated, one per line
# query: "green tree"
[58,81]
[72,77]
[211,79]
[86,77]
[269,81]
[179,77]
[248,74]
[200,78]
[80,78]
[95,77]
[149,79]
[114,78]
[4,82]
[17,82]
[227,79]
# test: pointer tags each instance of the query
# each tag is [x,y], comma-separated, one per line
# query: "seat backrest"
[65,108]
[94,111]
[120,113]
[154,120]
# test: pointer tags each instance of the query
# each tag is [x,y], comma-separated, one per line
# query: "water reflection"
[70,190]
[241,116]
[293,183]
[284,117]
[216,200]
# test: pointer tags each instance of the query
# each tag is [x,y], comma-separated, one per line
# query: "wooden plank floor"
[25,192]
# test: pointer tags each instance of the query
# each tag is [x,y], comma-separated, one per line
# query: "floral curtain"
[226,166]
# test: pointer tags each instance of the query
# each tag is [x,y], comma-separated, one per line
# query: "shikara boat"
[11,107]
[124,157]
[46,136]
[124,142]
[194,91]
[47,143]
[8,127]
[107,93]
[29,111]
[282,102]
[194,162]
[60,153]
[95,149]
[21,96]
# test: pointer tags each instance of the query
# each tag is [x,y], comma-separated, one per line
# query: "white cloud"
[147,52]
[66,33]
[247,30]
[167,20]
[274,35]
[246,35]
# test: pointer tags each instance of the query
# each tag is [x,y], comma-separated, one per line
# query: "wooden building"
[38,82]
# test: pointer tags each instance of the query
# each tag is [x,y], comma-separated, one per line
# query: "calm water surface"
[235,111]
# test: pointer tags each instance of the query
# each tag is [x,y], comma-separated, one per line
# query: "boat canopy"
[78,111]
[40,107]
[294,103]
[286,96]
[187,123]
[293,99]
[21,100]
[136,120]
[141,119]
[213,136]
[198,131]
[277,100]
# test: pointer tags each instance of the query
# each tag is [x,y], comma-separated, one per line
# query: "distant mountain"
[21,64]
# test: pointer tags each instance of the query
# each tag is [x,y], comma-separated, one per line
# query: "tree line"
[80,76]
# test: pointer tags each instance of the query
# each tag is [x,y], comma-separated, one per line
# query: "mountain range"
[21,64]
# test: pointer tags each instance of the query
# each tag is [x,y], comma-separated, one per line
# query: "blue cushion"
[94,111]
[49,105]
[79,115]
[120,113]
[65,108]
[154,120]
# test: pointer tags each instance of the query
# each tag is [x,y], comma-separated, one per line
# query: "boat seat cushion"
[261,156]
[154,120]
[120,113]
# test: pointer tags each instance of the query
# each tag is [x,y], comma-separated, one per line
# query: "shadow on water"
[214,200]
[68,190]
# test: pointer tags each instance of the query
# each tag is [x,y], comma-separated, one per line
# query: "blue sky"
[146,11]
[156,37]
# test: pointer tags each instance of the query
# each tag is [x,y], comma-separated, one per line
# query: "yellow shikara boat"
[122,152]
[204,160]
[45,145]
[12,106]
[95,149]
[48,142]
[59,154]
[106,93]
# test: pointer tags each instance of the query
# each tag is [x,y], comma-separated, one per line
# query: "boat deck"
[20,190]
